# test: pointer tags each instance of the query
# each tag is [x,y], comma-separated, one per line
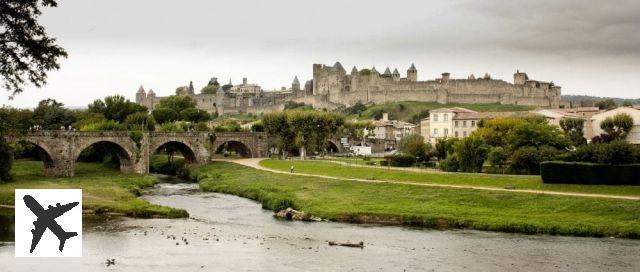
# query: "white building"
[457,122]
[634,135]
[386,129]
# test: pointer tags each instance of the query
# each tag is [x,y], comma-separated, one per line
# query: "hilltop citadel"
[332,87]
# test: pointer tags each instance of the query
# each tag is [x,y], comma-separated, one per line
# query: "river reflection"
[228,233]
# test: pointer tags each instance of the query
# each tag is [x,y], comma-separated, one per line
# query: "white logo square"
[48,222]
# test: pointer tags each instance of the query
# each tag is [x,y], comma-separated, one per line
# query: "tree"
[6,160]
[497,156]
[51,114]
[26,52]
[414,146]
[177,103]
[276,125]
[164,115]
[471,152]
[210,88]
[195,115]
[416,118]
[606,104]
[627,103]
[357,108]
[292,105]
[536,135]
[116,107]
[140,120]
[616,127]
[358,130]
[257,127]
[573,129]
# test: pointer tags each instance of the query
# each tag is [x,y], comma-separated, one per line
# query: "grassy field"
[405,110]
[494,181]
[359,202]
[104,189]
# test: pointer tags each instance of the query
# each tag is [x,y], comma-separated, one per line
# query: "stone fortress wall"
[371,86]
[331,88]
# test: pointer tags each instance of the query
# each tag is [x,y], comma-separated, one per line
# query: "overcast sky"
[587,47]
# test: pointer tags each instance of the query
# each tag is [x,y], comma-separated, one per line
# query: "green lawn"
[104,189]
[405,110]
[359,202]
[494,181]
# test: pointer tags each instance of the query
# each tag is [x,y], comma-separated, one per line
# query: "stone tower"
[396,75]
[354,71]
[412,73]
[295,85]
[141,95]
[520,78]
[190,90]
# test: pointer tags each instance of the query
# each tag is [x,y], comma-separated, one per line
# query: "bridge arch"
[187,152]
[124,151]
[44,154]
[241,148]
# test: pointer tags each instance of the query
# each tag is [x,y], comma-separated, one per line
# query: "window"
[456,123]
[446,131]
[464,134]
[435,131]
[464,123]
[435,118]
[456,133]
[473,123]
[446,117]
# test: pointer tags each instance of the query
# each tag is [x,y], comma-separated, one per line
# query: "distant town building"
[585,113]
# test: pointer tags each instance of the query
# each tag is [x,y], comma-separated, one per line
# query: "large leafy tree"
[116,107]
[27,53]
[51,114]
[415,146]
[471,152]
[573,129]
[177,103]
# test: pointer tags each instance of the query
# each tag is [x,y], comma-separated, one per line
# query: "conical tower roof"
[295,81]
[338,66]
[373,70]
[412,68]
[141,89]
[151,92]
[387,72]
[354,71]
[395,71]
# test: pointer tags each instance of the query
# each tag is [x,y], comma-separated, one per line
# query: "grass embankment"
[485,180]
[385,203]
[405,110]
[104,190]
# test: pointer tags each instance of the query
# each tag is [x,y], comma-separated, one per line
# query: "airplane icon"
[46,219]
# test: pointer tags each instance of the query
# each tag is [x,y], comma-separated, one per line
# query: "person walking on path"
[291,169]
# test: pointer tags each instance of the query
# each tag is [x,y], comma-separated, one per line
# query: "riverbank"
[514,182]
[401,204]
[105,190]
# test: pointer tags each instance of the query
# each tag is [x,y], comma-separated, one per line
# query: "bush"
[497,156]
[589,173]
[401,160]
[194,115]
[168,127]
[140,120]
[106,125]
[450,164]
[384,163]
[615,152]
[526,160]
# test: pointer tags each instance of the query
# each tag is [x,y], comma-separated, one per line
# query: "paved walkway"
[255,163]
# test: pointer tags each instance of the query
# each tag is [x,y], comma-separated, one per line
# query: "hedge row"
[590,173]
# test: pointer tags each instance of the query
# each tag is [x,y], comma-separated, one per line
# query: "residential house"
[634,135]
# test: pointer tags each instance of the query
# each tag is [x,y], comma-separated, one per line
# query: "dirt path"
[255,163]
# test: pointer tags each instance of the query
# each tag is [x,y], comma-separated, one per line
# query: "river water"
[228,233]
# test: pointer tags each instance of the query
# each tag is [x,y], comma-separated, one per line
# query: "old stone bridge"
[60,149]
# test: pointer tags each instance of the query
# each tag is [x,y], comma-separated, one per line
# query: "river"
[229,233]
